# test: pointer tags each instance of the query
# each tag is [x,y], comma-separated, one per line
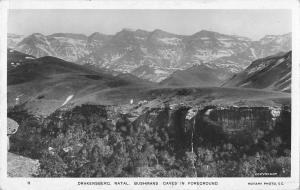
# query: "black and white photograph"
[149,93]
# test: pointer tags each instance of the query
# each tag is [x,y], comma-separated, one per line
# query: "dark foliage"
[84,143]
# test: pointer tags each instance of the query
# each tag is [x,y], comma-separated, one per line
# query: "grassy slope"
[45,83]
[200,75]
[274,76]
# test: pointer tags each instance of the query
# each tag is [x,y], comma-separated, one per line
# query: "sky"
[249,23]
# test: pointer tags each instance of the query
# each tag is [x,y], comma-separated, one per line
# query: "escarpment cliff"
[215,124]
[242,125]
[147,137]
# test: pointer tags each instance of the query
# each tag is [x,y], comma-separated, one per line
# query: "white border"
[224,183]
[3,89]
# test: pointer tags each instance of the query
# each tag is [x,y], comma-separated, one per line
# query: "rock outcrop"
[19,166]
[12,128]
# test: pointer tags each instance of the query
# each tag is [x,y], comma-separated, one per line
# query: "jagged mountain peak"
[37,35]
[128,30]
[13,39]
[34,39]
[243,38]
[161,33]
[140,31]
[13,35]
[69,35]
[207,33]
[275,38]
[97,35]
[124,32]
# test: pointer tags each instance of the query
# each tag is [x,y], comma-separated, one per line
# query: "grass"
[46,82]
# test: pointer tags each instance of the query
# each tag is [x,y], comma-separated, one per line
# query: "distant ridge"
[163,53]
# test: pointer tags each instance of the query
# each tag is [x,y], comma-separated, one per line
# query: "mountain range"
[105,121]
[154,55]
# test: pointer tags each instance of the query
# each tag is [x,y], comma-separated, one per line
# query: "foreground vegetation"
[84,143]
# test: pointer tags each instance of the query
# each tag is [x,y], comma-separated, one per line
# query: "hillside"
[198,75]
[48,81]
[272,73]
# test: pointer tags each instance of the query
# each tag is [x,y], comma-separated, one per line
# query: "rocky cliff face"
[20,166]
[161,133]
[180,126]
[214,124]
[245,125]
